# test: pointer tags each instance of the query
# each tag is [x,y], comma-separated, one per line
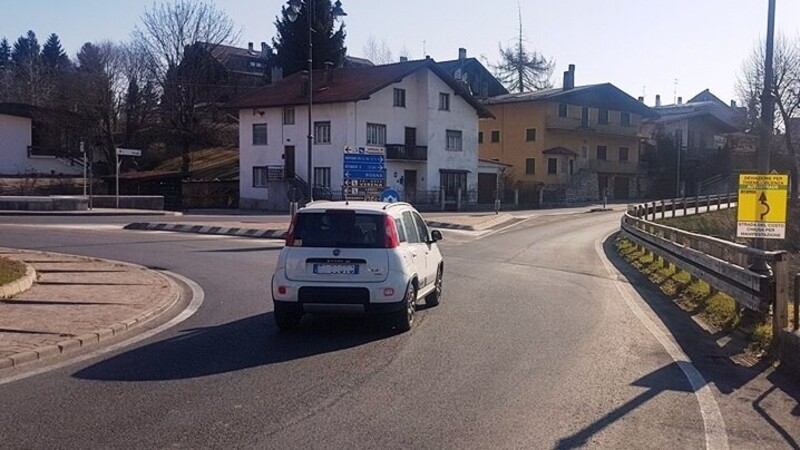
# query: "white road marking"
[713,422]
[198,296]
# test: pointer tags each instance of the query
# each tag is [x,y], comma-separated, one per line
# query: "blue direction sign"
[363,159]
[389,195]
[364,174]
[363,167]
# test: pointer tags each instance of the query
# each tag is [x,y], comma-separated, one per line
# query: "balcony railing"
[406,152]
[603,166]
[573,124]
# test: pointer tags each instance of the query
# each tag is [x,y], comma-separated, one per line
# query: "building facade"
[426,122]
[583,141]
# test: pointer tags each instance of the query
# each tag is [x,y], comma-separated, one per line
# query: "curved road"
[536,345]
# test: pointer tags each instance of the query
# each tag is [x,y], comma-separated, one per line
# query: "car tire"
[403,320]
[435,296]
[287,320]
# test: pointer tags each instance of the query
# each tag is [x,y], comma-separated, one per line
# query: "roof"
[492,162]
[706,96]
[19,110]
[349,84]
[354,61]
[495,87]
[604,95]
[206,164]
[559,151]
[704,105]
[378,207]
[238,59]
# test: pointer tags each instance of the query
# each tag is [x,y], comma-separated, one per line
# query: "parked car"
[357,257]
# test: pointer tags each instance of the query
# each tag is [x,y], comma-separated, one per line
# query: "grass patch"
[10,270]
[721,224]
[762,336]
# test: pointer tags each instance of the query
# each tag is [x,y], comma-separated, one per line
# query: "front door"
[410,185]
[487,186]
[288,161]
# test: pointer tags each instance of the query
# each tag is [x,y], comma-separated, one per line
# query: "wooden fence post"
[662,209]
[696,203]
[719,201]
[672,206]
[708,203]
[780,305]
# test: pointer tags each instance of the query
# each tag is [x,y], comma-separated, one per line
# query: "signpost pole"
[83,153]
[116,154]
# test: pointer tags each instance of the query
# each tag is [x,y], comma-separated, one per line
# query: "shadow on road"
[242,344]
[704,352]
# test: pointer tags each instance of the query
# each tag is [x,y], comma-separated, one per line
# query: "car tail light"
[391,240]
[388,292]
[290,233]
[282,290]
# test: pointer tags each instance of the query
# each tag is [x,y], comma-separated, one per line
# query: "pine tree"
[291,43]
[53,55]
[521,69]
[26,49]
[5,66]
[28,78]
[5,54]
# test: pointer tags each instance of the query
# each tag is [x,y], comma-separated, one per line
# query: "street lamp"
[295,6]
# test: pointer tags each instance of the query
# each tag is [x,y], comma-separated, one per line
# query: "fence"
[724,265]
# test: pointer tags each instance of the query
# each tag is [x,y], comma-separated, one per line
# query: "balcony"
[401,152]
[625,167]
[572,124]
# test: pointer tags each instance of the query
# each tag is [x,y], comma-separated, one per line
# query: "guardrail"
[724,265]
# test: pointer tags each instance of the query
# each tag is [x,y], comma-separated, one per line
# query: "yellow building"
[581,140]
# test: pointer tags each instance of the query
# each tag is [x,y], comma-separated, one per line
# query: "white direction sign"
[128,152]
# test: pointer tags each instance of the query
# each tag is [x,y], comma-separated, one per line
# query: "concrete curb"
[21,285]
[88,213]
[205,229]
[497,220]
[99,335]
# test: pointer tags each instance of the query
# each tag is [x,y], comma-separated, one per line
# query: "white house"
[426,121]
[18,155]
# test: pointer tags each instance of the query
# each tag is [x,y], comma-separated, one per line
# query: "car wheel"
[403,320]
[287,320]
[433,298]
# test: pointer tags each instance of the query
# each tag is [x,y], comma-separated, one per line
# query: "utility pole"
[85,164]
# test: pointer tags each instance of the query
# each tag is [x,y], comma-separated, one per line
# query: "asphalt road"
[535,345]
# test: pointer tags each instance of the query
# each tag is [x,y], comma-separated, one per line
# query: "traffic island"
[15,277]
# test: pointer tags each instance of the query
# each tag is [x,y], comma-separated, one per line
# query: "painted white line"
[713,422]
[198,296]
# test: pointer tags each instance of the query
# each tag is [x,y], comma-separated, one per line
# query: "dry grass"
[10,270]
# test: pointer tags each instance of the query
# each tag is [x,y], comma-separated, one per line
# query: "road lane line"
[198,296]
[713,422]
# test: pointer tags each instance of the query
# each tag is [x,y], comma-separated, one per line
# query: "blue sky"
[642,46]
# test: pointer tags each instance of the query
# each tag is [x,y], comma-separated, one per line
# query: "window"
[322,132]
[623,153]
[444,102]
[452,181]
[260,176]
[401,232]
[530,134]
[376,134]
[288,116]
[422,229]
[400,97]
[480,137]
[552,166]
[412,235]
[322,176]
[584,151]
[454,140]
[495,136]
[340,229]
[259,134]
[530,166]
[562,110]
[585,116]
[602,116]
[602,152]
[625,119]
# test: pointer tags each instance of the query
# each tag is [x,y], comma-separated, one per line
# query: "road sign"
[364,172]
[762,206]
[350,158]
[128,152]
[389,195]
[363,167]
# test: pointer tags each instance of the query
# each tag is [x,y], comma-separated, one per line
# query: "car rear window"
[342,229]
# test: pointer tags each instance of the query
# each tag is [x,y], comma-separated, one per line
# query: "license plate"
[335,269]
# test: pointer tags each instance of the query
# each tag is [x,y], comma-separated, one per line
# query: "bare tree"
[377,52]
[166,33]
[785,89]
[521,69]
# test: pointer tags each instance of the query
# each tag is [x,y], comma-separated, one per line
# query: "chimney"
[328,73]
[658,100]
[277,74]
[250,46]
[304,83]
[264,49]
[569,78]
[462,53]
[641,99]
[680,100]
[404,59]
[733,103]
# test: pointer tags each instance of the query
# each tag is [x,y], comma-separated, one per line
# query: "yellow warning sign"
[762,206]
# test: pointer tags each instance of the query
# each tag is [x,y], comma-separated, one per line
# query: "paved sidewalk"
[77,301]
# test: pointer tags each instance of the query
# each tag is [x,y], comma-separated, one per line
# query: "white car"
[357,257]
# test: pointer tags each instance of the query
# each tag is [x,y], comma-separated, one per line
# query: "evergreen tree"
[29,83]
[26,49]
[5,66]
[53,56]
[5,54]
[291,43]
[521,69]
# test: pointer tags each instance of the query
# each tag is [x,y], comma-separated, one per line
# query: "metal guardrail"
[724,265]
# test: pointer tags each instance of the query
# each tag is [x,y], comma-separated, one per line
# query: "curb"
[21,285]
[205,229]
[99,335]
[21,213]
[497,220]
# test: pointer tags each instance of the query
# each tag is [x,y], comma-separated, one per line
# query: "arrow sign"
[128,152]
[763,200]
[363,159]
[364,175]
[364,167]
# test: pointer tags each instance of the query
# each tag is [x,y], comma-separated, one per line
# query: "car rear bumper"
[340,308]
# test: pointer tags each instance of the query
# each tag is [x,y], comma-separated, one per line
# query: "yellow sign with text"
[762,206]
